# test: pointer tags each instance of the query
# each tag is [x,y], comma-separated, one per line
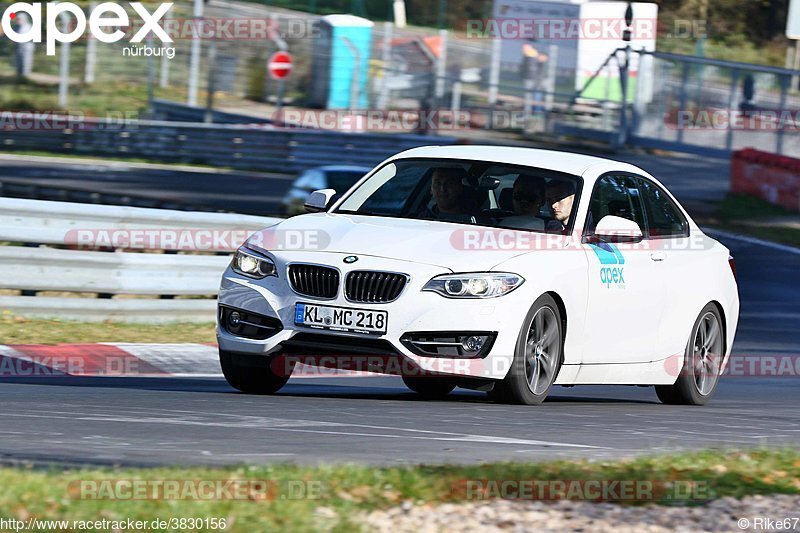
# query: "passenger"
[560,195]
[528,199]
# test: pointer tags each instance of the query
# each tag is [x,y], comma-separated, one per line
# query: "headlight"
[252,265]
[477,285]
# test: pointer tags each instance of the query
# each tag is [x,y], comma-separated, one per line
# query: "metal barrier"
[255,147]
[700,105]
[174,111]
[107,272]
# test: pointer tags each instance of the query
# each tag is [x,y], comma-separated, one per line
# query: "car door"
[626,293]
[670,247]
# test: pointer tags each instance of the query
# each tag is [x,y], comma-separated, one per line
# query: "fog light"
[473,344]
[234,319]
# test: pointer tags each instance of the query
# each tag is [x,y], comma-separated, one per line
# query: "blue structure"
[340,62]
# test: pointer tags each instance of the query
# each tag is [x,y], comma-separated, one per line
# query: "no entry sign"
[279,65]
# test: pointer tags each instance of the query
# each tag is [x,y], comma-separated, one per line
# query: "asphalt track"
[145,421]
[696,181]
[255,193]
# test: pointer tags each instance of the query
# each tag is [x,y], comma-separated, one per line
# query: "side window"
[664,219]
[617,196]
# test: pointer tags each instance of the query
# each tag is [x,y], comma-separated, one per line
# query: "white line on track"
[752,240]
[394,432]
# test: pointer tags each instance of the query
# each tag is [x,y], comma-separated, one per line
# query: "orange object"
[772,177]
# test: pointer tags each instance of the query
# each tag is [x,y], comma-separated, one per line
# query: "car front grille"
[367,286]
[314,280]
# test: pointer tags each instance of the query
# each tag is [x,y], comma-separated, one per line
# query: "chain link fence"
[673,102]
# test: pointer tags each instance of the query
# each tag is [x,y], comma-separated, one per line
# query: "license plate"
[340,318]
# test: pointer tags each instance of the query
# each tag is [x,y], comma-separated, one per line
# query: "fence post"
[552,72]
[386,59]
[785,81]
[527,101]
[606,98]
[441,68]
[731,97]
[682,98]
[494,71]
[151,75]
[455,102]
[163,79]
[23,54]
[91,53]
[194,57]
[212,67]
[63,81]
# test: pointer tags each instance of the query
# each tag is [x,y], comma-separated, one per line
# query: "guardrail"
[240,146]
[174,111]
[46,253]
[19,188]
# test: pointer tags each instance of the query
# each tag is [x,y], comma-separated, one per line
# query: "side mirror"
[617,229]
[319,200]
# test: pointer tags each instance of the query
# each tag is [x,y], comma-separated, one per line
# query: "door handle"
[658,256]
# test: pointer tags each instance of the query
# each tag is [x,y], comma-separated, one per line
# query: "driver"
[449,195]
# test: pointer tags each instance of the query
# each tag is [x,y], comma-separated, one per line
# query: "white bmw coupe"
[506,270]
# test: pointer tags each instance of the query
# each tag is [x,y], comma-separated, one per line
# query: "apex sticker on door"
[608,254]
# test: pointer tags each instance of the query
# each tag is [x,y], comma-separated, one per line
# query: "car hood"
[457,247]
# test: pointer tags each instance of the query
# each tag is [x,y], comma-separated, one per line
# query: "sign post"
[793,32]
[279,66]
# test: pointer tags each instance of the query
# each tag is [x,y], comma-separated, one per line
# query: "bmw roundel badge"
[350,259]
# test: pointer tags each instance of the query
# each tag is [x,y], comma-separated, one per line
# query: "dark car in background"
[338,177]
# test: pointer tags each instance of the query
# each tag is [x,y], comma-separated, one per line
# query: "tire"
[702,360]
[251,374]
[430,388]
[537,357]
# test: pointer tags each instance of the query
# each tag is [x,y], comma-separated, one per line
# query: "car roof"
[569,162]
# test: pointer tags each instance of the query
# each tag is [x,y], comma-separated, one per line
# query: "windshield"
[468,192]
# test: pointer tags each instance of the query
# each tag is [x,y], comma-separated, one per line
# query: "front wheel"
[537,358]
[702,362]
[251,374]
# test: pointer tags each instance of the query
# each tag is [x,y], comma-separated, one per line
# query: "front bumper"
[413,311]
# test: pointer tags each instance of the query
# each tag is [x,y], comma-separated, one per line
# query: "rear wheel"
[537,358]
[431,387]
[251,374]
[701,364]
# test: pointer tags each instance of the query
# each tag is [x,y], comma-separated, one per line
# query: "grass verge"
[19,330]
[330,497]
[752,216]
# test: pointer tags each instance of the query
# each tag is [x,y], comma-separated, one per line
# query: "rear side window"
[664,219]
[617,196]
